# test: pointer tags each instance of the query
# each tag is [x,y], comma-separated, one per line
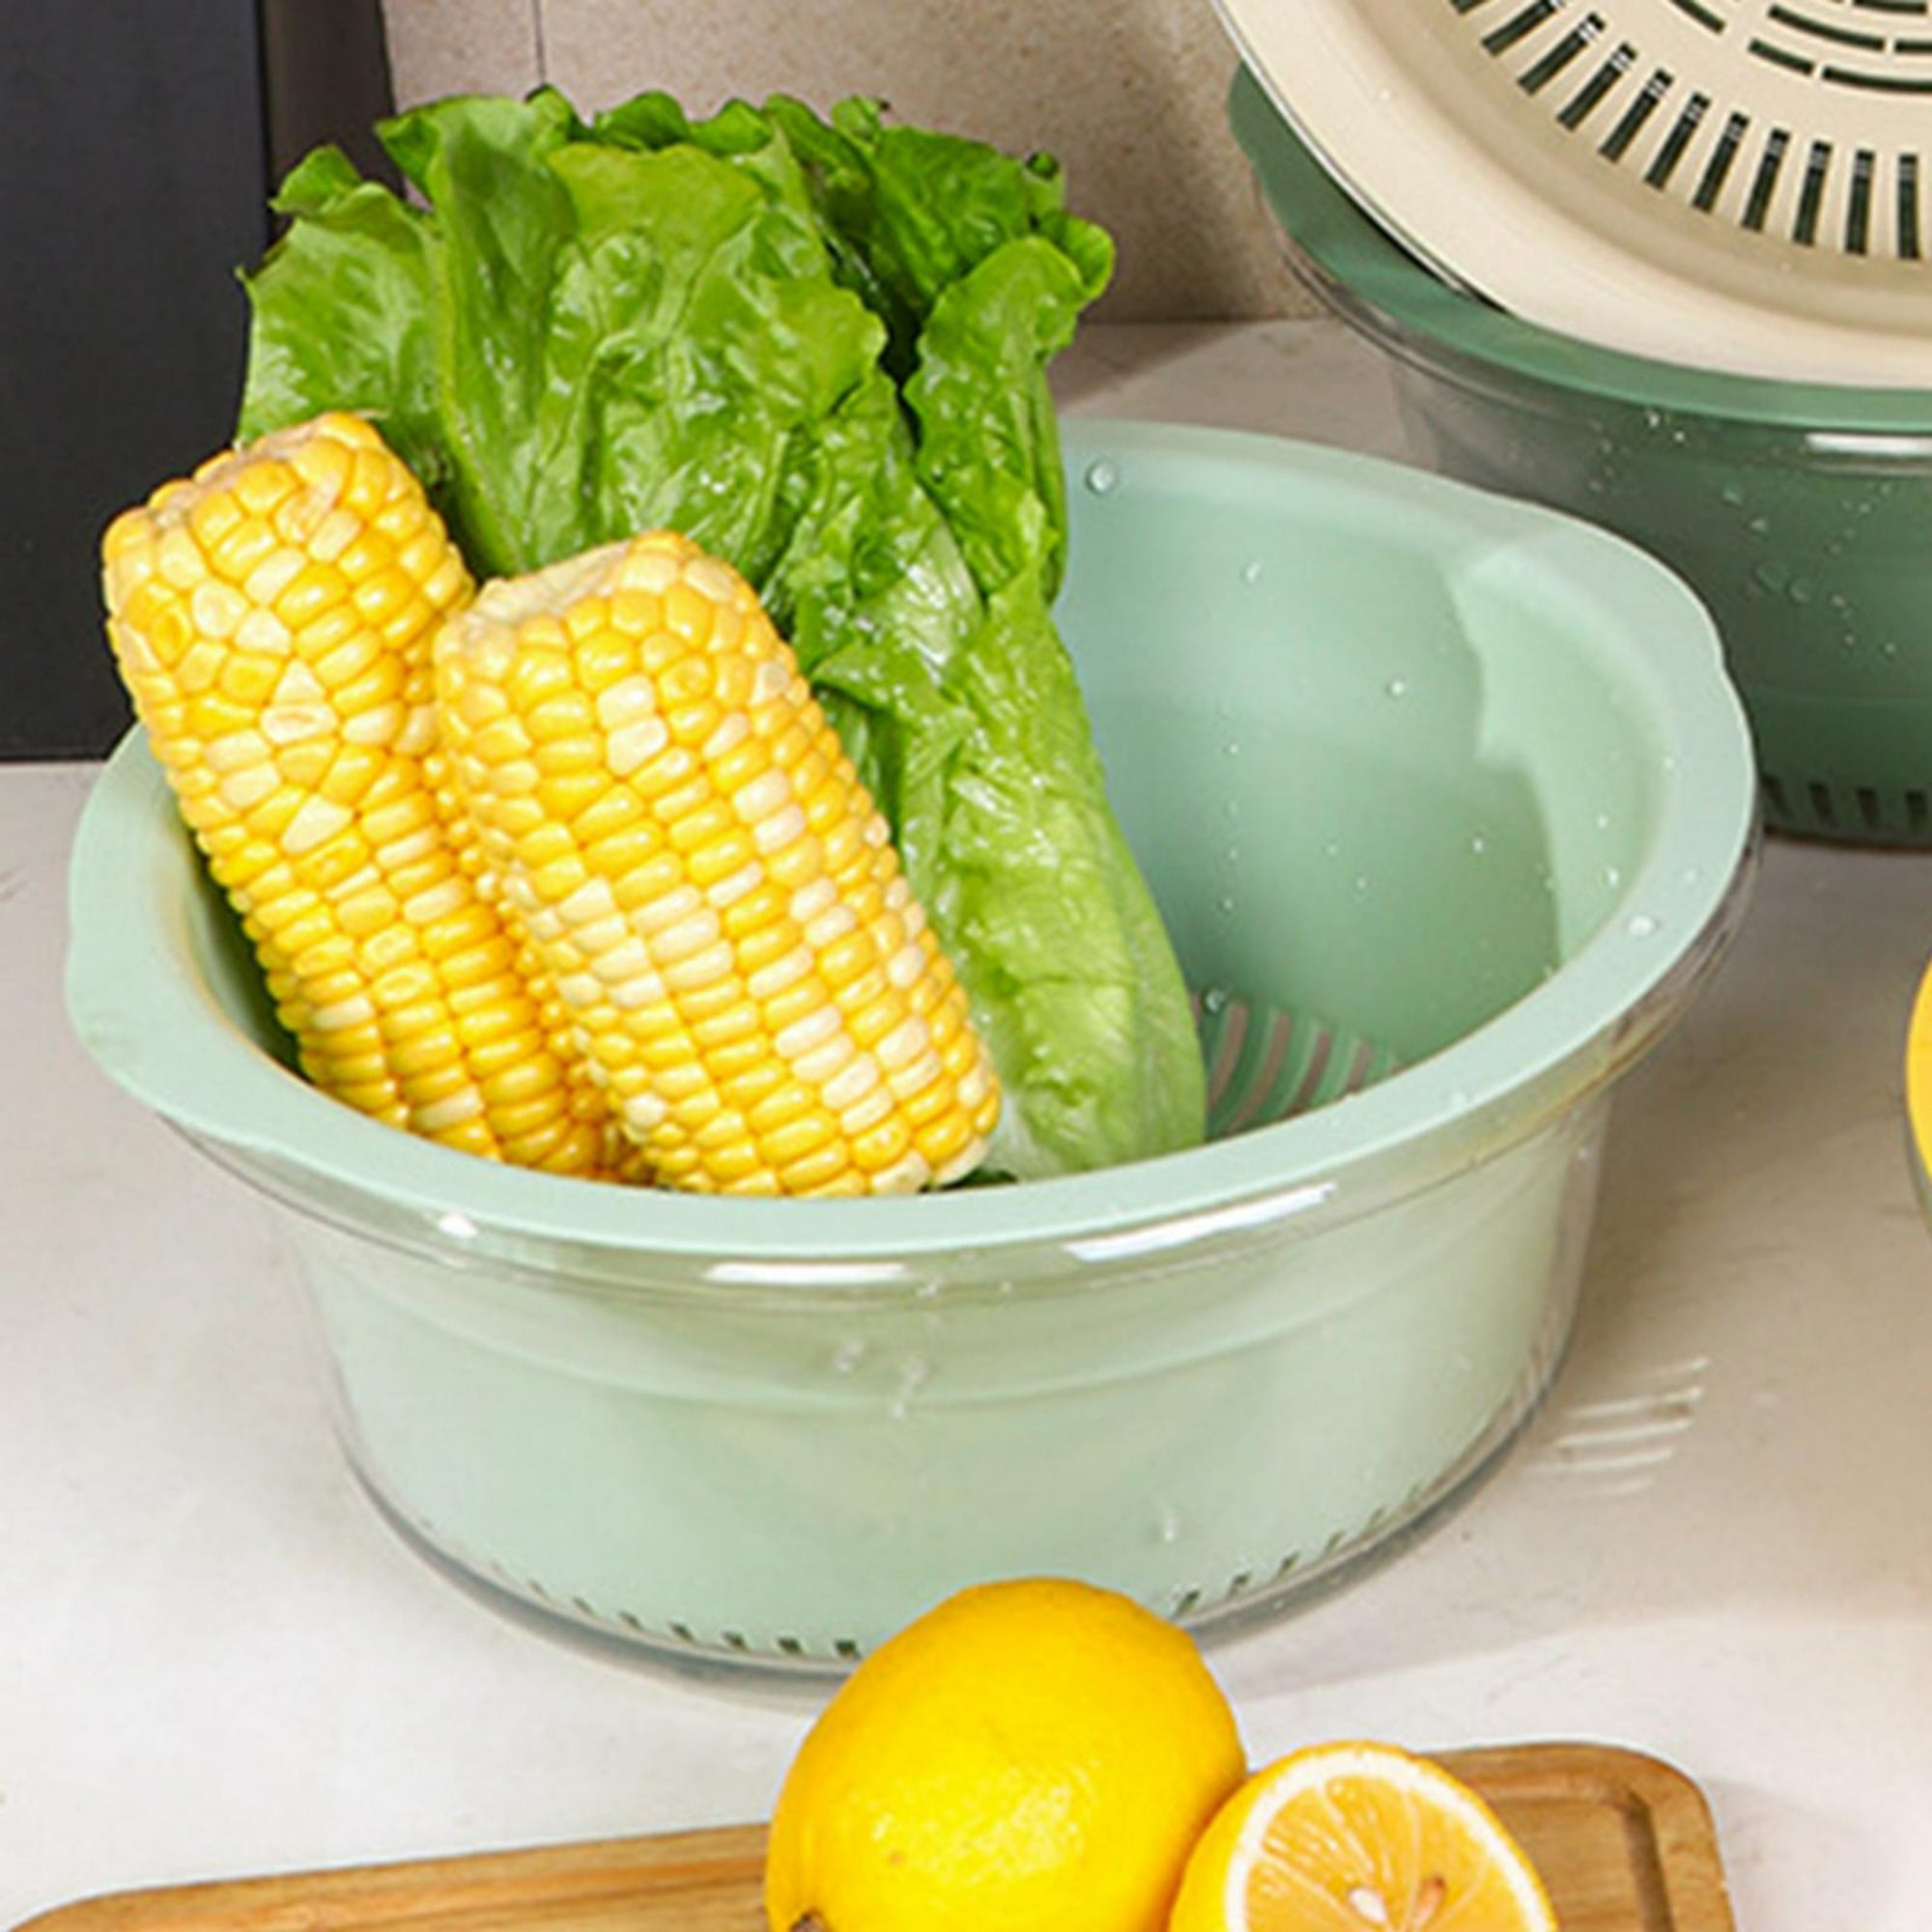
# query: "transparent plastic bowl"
[1459,778]
[1798,512]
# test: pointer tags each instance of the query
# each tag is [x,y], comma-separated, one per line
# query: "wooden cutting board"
[1623,1841]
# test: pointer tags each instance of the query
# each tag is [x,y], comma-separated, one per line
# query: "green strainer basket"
[1449,807]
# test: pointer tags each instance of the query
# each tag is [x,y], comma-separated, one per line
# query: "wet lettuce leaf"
[819,347]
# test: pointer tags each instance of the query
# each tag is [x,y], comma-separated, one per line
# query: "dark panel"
[325,64]
[131,187]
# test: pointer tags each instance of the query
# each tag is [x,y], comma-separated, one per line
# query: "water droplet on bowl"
[1397,687]
[1613,875]
[1102,478]
[1215,999]
[1640,925]
[915,1371]
[1733,494]
[847,1356]
[1479,844]
[1251,574]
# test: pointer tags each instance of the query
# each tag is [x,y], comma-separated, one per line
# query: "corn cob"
[270,617]
[719,903]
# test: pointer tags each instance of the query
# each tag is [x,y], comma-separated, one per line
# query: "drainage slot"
[1617,142]
[1812,196]
[1547,65]
[1766,184]
[1671,150]
[1718,167]
[1585,100]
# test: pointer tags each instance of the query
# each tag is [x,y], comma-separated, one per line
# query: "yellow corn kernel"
[245,609]
[708,880]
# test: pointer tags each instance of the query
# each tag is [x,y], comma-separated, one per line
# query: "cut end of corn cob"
[270,617]
[674,821]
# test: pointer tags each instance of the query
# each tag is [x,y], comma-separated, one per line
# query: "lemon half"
[1359,1838]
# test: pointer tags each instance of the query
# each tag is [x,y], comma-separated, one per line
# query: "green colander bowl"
[1798,512]
[1450,808]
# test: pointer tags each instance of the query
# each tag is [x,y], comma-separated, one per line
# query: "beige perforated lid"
[1737,184]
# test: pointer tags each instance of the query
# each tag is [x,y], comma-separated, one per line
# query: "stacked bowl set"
[1658,263]
[1449,801]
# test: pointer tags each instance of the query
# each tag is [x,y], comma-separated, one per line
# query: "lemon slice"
[1358,1838]
[1918,1076]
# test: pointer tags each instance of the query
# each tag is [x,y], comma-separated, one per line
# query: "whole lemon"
[1036,1755]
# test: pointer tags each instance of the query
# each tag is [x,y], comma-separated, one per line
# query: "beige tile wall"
[1128,94]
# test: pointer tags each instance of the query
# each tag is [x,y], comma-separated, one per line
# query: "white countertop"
[1713,1544]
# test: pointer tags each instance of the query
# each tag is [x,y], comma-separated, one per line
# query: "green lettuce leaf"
[358,261]
[818,348]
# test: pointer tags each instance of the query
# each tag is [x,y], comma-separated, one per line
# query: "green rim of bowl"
[161,1035]
[1342,240]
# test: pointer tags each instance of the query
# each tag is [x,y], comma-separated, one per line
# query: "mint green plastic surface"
[1460,775]
[1798,512]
